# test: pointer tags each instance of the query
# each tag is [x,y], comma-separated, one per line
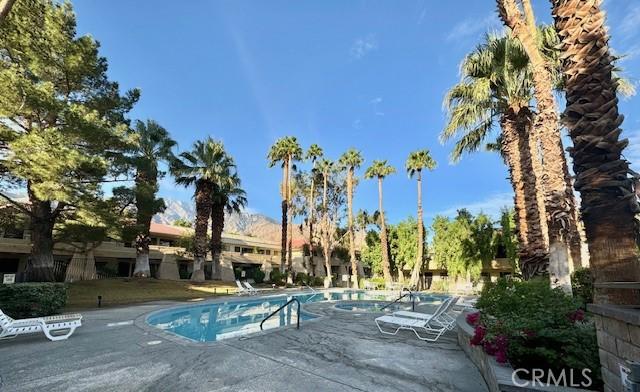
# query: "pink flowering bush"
[531,325]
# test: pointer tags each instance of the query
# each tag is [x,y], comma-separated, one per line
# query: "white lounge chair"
[445,319]
[251,289]
[54,327]
[241,288]
[429,326]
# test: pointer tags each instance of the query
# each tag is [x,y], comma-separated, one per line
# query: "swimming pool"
[218,321]
[371,307]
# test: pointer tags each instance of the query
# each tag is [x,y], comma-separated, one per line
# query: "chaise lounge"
[429,325]
[54,327]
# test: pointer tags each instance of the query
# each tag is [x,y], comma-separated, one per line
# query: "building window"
[247,250]
[260,251]
[267,252]
[236,249]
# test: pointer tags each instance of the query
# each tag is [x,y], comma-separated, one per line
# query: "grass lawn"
[122,291]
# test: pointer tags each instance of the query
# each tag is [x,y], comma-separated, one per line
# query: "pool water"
[372,307]
[213,322]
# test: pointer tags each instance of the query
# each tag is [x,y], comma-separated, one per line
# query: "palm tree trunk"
[352,240]
[290,276]
[386,266]
[285,210]
[609,204]
[145,192]
[559,200]
[311,269]
[516,126]
[203,211]
[417,267]
[142,268]
[326,249]
[217,227]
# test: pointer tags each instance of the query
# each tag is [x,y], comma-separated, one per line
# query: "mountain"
[255,225]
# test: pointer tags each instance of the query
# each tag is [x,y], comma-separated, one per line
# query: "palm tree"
[313,154]
[350,161]
[559,200]
[380,170]
[417,161]
[325,166]
[151,144]
[496,90]
[285,150]
[206,167]
[227,197]
[609,205]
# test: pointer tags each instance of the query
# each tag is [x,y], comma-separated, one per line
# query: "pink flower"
[473,318]
[478,336]
[578,315]
[501,356]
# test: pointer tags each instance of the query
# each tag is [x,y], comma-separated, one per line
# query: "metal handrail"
[282,307]
[310,288]
[411,297]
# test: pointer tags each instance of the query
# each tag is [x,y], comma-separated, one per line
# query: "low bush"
[440,285]
[278,278]
[531,325]
[318,281]
[24,300]
[258,276]
[302,279]
[378,281]
[582,286]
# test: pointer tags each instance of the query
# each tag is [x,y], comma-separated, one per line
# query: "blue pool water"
[212,322]
[372,307]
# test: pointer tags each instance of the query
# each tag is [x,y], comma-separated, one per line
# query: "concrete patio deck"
[342,351]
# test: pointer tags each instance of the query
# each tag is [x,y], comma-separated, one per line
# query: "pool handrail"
[282,307]
[411,297]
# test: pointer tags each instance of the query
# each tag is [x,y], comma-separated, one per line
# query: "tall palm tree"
[609,205]
[417,161]
[495,91]
[326,167]
[206,166]
[313,154]
[559,200]
[285,151]
[380,169]
[350,161]
[229,197]
[151,144]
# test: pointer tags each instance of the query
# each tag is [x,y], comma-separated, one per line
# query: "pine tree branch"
[16,204]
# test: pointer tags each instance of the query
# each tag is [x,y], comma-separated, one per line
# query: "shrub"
[301,279]
[258,276]
[582,286]
[278,278]
[532,325]
[24,300]
[378,281]
[440,285]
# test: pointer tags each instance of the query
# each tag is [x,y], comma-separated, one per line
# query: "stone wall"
[618,339]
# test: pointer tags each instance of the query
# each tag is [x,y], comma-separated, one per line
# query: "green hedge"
[24,300]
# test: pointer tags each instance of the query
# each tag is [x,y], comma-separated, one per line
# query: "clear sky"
[367,74]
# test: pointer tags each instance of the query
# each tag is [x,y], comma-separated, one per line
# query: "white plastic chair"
[425,325]
[445,319]
[250,288]
[51,326]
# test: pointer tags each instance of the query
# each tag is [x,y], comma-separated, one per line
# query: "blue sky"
[367,74]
